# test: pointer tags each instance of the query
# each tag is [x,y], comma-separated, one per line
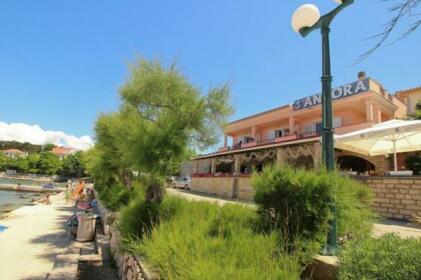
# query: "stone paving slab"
[36,235]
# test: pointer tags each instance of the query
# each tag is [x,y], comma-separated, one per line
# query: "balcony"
[257,143]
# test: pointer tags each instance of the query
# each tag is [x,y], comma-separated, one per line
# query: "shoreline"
[43,179]
[28,188]
[53,198]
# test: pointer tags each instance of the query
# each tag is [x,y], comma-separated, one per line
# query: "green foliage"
[48,163]
[32,160]
[25,147]
[413,163]
[162,117]
[114,196]
[298,203]
[139,217]
[386,258]
[3,162]
[73,166]
[19,164]
[38,163]
[198,240]
[48,147]
[417,114]
[171,113]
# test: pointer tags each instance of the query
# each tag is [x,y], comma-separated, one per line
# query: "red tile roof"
[406,91]
[16,151]
[62,150]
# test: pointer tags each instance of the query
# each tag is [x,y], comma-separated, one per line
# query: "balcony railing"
[253,143]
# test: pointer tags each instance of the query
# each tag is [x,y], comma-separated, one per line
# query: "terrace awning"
[391,137]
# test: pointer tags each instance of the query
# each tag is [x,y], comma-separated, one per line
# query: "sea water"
[10,181]
[10,200]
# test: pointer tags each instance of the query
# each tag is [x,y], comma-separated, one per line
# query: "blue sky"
[62,62]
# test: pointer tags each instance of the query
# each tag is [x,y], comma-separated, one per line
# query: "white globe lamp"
[305,16]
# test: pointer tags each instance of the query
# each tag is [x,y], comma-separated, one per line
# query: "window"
[309,128]
[318,127]
[282,132]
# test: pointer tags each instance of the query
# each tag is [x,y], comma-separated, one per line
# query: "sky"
[62,62]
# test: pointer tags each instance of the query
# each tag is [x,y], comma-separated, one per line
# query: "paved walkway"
[403,229]
[36,235]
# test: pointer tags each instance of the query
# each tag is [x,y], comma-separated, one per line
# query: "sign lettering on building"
[337,93]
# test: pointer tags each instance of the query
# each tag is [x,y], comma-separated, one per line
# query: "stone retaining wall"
[396,197]
[245,190]
[225,187]
[129,266]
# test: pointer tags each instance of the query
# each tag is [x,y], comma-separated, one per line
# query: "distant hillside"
[25,147]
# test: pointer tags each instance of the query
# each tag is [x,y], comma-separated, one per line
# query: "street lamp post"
[305,20]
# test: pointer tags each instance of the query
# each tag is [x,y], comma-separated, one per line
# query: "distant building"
[14,153]
[63,152]
[410,97]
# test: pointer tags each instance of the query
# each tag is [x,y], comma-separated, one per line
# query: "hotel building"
[291,133]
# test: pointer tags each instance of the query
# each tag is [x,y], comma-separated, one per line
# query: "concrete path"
[403,229]
[36,235]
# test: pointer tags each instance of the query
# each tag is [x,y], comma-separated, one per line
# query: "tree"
[48,147]
[20,164]
[162,117]
[48,163]
[3,162]
[400,9]
[168,116]
[32,160]
[73,166]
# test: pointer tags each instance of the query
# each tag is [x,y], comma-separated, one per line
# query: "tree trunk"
[154,191]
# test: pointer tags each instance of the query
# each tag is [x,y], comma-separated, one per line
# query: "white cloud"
[34,134]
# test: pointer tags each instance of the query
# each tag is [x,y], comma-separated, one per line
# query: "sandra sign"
[337,93]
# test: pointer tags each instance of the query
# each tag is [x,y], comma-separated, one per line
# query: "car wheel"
[187,187]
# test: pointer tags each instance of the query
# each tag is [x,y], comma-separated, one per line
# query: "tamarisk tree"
[162,118]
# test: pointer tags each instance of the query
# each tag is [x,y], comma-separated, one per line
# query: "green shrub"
[298,203]
[386,258]
[114,196]
[139,217]
[198,240]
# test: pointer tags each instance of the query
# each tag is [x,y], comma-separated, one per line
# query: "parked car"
[182,182]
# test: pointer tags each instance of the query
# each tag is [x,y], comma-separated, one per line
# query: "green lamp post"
[305,20]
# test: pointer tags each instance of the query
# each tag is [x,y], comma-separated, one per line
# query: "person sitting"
[45,200]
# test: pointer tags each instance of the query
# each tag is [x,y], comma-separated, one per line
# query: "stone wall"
[219,186]
[245,190]
[129,266]
[187,168]
[226,187]
[396,197]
